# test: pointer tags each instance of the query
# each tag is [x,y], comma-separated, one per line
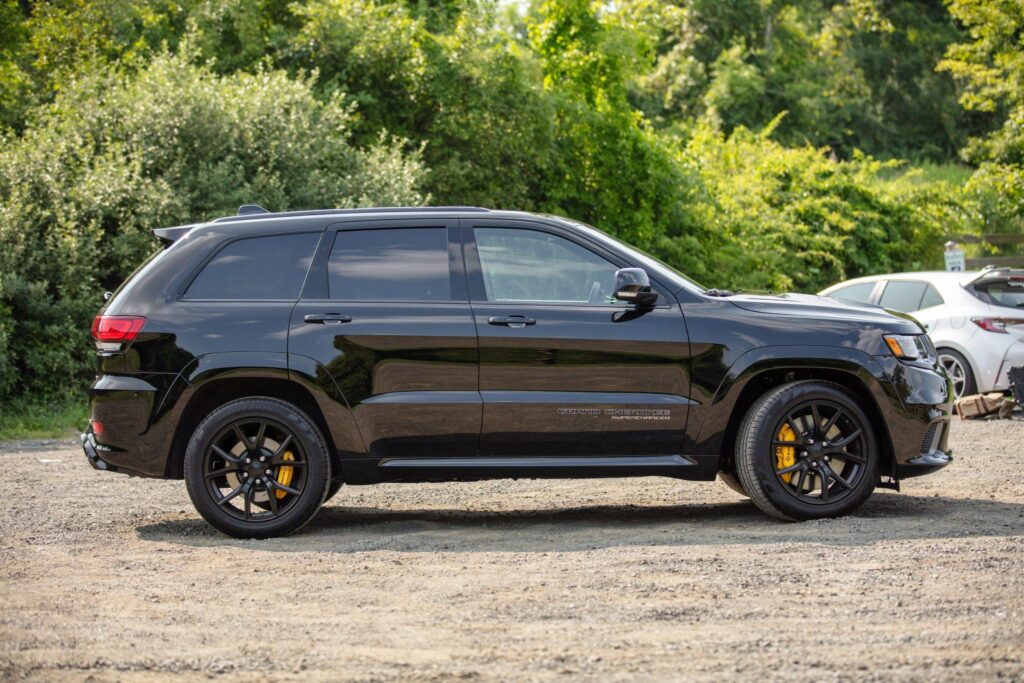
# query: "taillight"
[111,331]
[996,324]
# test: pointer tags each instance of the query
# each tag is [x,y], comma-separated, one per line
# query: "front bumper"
[918,418]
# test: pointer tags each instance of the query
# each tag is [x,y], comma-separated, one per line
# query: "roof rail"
[327,212]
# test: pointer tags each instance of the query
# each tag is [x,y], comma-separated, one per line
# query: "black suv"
[269,358]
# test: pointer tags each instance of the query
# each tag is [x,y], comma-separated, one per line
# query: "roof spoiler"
[992,275]
[170,235]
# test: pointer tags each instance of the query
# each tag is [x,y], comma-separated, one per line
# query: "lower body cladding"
[379,470]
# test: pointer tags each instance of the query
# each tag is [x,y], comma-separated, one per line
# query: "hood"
[826,308]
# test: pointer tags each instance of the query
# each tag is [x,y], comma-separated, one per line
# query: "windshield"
[655,266]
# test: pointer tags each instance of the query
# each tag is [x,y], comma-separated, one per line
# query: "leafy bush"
[116,156]
[796,219]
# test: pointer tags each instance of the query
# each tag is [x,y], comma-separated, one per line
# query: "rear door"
[386,318]
[564,368]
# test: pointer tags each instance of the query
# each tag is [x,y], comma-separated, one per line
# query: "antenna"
[248,209]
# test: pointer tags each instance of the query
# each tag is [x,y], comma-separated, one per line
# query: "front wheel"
[257,468]
[806,450]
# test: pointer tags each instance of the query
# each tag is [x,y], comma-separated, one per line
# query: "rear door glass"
[390,264]
[902,295]
[262,268]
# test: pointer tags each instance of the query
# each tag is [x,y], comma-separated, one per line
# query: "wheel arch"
[739,392]
[219,390]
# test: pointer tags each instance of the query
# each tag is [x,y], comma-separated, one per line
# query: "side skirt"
[370,471]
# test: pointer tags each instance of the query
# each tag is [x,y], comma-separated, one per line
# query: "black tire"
[733,482]
[333,489]
[959,370]
[797,481]
[214,471]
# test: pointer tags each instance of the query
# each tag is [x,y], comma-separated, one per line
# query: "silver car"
[975,319]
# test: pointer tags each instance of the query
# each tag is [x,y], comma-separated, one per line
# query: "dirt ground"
[105,577]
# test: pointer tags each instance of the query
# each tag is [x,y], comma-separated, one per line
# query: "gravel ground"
[109,578]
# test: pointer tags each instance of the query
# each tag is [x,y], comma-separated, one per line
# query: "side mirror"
[633,285]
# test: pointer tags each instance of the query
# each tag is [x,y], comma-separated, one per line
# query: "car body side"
[723,353]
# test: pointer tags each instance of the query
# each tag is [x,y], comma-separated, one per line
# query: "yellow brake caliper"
[785,456]
[284,475]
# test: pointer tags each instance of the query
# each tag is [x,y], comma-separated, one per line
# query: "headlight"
[907,346]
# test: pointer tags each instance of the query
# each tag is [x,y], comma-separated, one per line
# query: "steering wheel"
[595,293]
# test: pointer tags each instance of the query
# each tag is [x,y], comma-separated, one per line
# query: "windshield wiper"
[718,292]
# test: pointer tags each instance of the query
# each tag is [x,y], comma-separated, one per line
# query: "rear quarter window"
[903,296]
[858,294]
[272,267]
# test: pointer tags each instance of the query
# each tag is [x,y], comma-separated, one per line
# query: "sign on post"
[955,261]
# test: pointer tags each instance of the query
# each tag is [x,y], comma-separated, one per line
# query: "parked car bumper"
[1014,357]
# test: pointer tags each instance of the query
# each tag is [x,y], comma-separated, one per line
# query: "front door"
[385,317]
[565,370]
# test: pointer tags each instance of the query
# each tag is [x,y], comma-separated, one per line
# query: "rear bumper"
[132,439]
[92,453]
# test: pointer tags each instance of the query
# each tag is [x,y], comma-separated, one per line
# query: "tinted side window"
[530,265]
[902,296]
[931,297]
[858,294]
[271,267]
[391,264]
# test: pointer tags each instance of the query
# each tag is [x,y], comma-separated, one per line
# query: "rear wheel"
[959,370]
[805,450]
[256,468]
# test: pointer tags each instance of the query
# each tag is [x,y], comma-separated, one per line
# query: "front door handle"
[515,321]
[327,318]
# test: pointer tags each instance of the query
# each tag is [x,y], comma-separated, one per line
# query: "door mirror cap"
[633,285]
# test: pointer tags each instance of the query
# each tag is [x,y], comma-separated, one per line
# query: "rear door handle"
[327,318]
[515,321]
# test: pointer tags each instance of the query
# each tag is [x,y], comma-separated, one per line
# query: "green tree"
[990,68]
[118,154]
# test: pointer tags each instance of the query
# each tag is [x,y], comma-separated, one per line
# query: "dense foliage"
[756,143]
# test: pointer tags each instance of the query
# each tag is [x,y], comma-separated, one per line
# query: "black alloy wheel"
[820,452]
[254,468]
[257,467]
[806,450]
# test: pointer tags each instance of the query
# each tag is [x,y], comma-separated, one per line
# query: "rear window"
[857,294]
[272,267]
[390,264]
[1009,294]
[903,296]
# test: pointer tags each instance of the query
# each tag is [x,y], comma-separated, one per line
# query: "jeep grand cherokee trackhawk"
[268,359]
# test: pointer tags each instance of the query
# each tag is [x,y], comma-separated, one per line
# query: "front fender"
[712,419]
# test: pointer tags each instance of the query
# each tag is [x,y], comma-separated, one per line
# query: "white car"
[975,319]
